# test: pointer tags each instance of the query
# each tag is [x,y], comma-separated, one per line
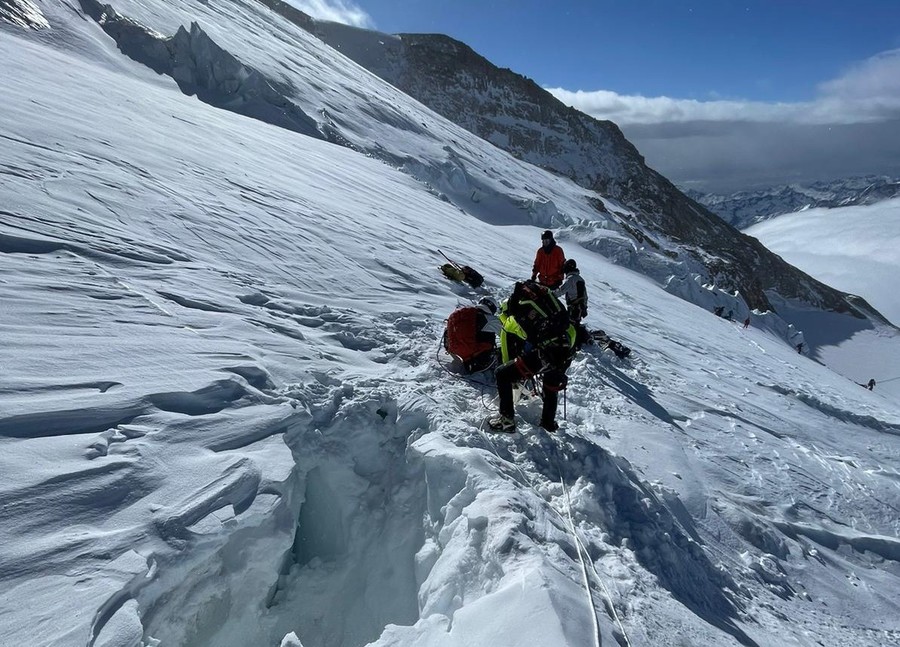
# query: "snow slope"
[223,421]
[855,249]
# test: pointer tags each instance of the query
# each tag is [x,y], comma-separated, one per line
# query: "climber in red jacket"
[548,262]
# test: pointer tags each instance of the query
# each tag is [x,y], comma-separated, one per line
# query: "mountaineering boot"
[549,425]
[502,423]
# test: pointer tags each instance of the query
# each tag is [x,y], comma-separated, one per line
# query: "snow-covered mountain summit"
[223,421]
[746,208]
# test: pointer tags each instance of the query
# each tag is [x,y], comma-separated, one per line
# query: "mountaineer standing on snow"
[574,290]
[540,322]
[796,339]
[548,262]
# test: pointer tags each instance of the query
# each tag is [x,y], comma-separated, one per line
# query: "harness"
[535,316]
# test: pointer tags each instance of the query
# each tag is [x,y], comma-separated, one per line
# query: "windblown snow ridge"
[200,67]
[836,412]
[210,399]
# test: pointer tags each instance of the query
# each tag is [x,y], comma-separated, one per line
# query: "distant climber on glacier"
[795,337]
[870,384]
[537,339]
[471,335]
[574,291]
[548,262]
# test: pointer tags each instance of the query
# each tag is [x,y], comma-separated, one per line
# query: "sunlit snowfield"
[223,421]
[854,249]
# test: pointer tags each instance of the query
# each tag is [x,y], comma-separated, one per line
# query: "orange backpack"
[461,338]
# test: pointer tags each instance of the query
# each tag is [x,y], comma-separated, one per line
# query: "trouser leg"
[554,381]
[514,370]
[506,375]
[551,402]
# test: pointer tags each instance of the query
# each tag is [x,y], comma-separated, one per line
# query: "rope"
[579,544]
[567,519]
[483,386]
[465,378]
[486,406]
[579,547]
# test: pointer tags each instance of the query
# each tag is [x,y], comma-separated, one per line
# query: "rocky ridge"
[746,208]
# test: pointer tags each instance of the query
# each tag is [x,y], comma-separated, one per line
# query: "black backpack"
[540,314]
[472,277]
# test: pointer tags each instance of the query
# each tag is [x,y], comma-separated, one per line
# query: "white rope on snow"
[598,641]
[579,546]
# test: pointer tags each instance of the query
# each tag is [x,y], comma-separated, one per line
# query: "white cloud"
[633,109]
[868,92]
[335,11]
[870,89]
[877,77]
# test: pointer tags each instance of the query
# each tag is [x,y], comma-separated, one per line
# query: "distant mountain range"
[746,208]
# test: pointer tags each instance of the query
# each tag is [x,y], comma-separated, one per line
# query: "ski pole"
[449,261]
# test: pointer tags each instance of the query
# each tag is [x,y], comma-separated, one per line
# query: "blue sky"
[716,94]
[768,51]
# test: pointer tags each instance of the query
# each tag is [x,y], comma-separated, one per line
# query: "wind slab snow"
[222,420]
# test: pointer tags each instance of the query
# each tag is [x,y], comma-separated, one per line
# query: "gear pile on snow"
[461,273]
[600,338]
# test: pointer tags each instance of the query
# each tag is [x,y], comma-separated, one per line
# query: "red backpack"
[461,338]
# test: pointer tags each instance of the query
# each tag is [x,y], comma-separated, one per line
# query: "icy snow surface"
[855,249]
[223,421]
